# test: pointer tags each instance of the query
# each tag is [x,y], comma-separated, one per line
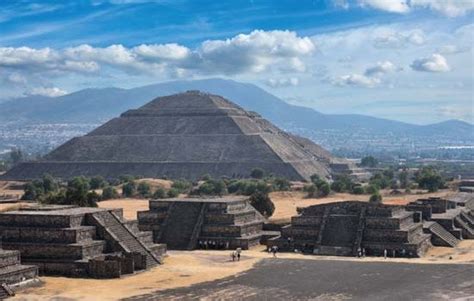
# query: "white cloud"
[50,92]
[394,6]
[282,82]
[435,63]
[389,38]
[452,49]
[16,78]
[380,69]
[450,8]
[255,52]
[356,80]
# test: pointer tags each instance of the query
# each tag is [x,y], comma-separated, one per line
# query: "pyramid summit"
[183,135]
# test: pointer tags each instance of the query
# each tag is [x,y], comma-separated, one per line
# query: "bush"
[262,203]
[109,192]
[324,189]
[371,189]
[281,184]
[342,184]
[32,191]
[375,198]
[182,186]
[211,187]
[144,189]
[77,190]
[369,161]
[160,193]
[311,190]
[429,178]
[173,193]
[97,182]
[257,173]
[206,177]
[358,190]
[129,189]
[92,199]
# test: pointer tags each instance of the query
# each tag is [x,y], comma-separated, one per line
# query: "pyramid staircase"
[440,237]
[124,238]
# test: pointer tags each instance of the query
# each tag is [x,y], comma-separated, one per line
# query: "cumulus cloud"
[452,49]
[282,82]
[394,39]
[356,80]
[255,52]
[435,63]
[380,69]
[394,6]
[450,8]
[50,92]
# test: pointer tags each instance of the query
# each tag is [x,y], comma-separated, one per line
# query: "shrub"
[375,198]
[144,189]
[212,187]
[129,189]
[77,190]
[97,182]
[324,189]
[429,178]
[160,193]
[173,193]
[281,184]
[206,177]
[262,203]
[182,186]
[109,192]
[311,190]
[358,190]
[257,173]
[371,189]
[369,161]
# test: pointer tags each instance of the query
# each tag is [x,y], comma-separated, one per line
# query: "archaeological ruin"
[185,135]
[79,242]
[350,227]
[210,223]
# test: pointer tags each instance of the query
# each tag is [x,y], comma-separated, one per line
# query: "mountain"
[333,131]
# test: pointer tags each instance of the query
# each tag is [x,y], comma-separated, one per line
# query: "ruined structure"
[13,272]
[448,221]
[213,223]
[79,242]
[346,228]
[185,135]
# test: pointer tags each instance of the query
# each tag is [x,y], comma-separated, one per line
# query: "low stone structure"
[347,228]
[212,223]
[79,242]
[12,272]
[447,220]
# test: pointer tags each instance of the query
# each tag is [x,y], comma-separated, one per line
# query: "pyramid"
[184,135]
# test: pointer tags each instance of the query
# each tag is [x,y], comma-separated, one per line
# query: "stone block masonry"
[212,223]
[79,242]
[346,228]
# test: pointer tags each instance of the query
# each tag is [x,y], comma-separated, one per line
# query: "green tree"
[109,193]
[369,161]
[97,182]
[324,189]
[371,189]
[173,193]
[257,173]
[311,190]
[262,203]
[92,199]
[375,198]
[403,178]
[144,189]
[429,178]
[160,193]
[358,189]
[32,192]
[281,184]
[129,189]
[182,186]
[16,156]
[77,190]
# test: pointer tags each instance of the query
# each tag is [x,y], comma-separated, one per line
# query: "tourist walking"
[274,250]
[385,253]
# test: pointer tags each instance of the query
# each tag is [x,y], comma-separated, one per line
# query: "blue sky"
[409,60]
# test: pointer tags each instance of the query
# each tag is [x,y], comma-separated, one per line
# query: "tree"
[262,203]
[109,193]
[144,189]
[129,189]
[97,182]
[342,184]
[49,184]
[375,198]
[429,178]
[173,193]
[212,187]
[371,189]
[403,178]
[160,193]
[369,161]
[92,199]
[358,189]
[31,191]
[182,186]
[324,189]
[257,173]
[281,184]
[77,190]
[311,190]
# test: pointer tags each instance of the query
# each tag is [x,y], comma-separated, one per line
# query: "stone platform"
[213,223]
[79,242]
[346,228]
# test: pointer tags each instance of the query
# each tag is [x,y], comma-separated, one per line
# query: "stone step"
[17,273]
[51,251]
[48,235]
[441,233]
[467,231]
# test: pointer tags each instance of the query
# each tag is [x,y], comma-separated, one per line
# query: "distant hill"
[98,105]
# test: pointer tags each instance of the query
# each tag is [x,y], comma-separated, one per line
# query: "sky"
[407,60]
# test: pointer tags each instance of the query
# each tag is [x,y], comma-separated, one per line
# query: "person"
[393,253]
[403,252]
[238,251]
[363,252]
[385,253]
[274,250]
[233,255]
[359,252]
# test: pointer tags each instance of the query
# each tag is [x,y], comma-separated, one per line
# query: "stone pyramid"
[184,135]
